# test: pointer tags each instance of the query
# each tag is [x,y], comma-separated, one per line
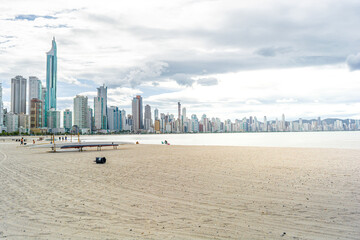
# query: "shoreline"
[338,140]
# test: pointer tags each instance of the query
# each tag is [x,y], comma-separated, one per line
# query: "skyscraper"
[147,119]
[81,111]
[102,92]
[156,114]
[184,113]
[67,119]
[137,113]
[99,117]
[157,126]
[18,95]
[179,111]
[35,89]
[36,113]
[283,123]
[51,79]
[53,119]
[265,124]
[12,122]
[123,120]
[100,108]
[90,121]
[194,123]
[179,125]
[24,123]
[114,118]
[43,96]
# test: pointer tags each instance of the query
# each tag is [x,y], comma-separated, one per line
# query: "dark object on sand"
[100,160]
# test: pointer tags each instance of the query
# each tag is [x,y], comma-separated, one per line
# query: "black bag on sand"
[100,160]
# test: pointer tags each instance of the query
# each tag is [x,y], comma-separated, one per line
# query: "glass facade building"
[51,79]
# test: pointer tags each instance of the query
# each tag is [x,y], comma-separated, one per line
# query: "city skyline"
[235,64]
[112,119]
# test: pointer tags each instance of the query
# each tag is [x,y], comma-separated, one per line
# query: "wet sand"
[180,192]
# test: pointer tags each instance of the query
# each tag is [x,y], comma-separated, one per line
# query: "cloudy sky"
[228,59]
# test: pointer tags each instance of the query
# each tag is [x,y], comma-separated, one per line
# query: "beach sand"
[180,192]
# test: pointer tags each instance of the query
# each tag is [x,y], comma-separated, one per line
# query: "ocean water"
[347,140]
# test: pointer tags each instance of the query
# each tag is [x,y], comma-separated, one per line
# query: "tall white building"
[123,120]
[12,122]
[18,95]
[137,113]
[81,111]
[35,89]
[283,123]
[184,125]
[184,113]
[265,124]
[147,118]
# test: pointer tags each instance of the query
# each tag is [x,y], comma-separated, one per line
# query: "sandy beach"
[180,192]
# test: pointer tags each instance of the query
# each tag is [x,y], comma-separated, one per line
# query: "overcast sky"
[228,59]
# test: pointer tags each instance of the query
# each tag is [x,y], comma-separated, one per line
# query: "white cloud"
[286,100]
[353,62]
[293,92]
[203,53]
[207,81]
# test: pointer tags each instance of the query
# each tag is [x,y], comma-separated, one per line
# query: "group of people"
[23,140]
[63,138]
[165,142]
